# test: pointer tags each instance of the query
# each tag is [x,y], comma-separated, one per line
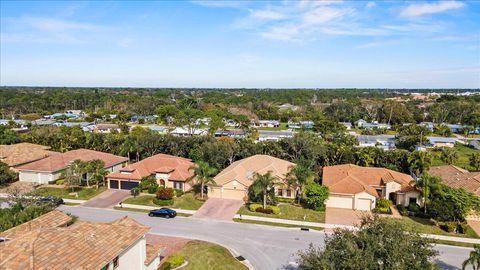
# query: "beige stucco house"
[233,182]
[358,188]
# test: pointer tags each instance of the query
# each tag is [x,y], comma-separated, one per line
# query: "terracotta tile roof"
[178,166]
[153,251]
[22,153]
[83,245]
[51,219]
[352,179]
[456,177]
[61,161]
[244,170]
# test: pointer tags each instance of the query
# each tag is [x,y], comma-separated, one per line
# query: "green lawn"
[84,193]
[275,224]
[205,256]
[464,153]
[288,211]
[424,225]
[187,201]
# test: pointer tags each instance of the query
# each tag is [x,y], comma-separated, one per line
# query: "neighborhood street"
[265,247]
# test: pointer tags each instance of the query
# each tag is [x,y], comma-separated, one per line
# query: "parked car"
[163,212]
[56,201]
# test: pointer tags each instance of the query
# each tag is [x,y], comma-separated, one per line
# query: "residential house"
[373,125]
[15,155]
[85,126]
[457,177]
[107,128]
[51,168]
[266,123]
[358,188]
[230,123]
[68,114]
[428,125]
[300,125]
[385,142]
[347,125]
[52,242]
[181,131]
[144,118]
[158,129]
[232,133]
[233,182]
[43,122]
[274,135]
[455,128]
[287,106]
[441,142]
[169,171]
[203,121]
[475,144]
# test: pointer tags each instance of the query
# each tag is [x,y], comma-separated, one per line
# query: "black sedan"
[163,212]
[52,200]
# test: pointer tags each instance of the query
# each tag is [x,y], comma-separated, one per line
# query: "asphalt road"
[265,247]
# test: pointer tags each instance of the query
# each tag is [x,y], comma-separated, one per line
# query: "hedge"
[253,207]
[162,202]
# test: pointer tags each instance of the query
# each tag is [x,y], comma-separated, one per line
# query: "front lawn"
[288,211]
[187,201]
[427,226]
[84,193]
[205,256]
[463,161]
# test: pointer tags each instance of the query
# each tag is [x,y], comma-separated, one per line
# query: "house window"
[280,192]
[412,200]
[379,192]
[289,193]
[115,262]
[105,267]
[178,185]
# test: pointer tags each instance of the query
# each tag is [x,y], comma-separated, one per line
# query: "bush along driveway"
[187,201]
[290,212]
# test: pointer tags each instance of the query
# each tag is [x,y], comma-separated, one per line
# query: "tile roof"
[51,219]
[352,179]
[83,245]
[21,153]
[61,161]
[456,177]
[178,166]
[243,170]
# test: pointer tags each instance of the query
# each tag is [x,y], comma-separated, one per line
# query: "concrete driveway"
[344,216]
[219,209]
[107,199]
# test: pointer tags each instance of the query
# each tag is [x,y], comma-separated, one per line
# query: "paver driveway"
[108,198]
[220,209]
[344,216]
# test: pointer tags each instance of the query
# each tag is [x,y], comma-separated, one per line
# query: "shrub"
[165,266]
[149,184]
[448,226]
[60,182]
[402,209]
[316,195]
[383,203]
[264,210]
[161,202]
[462,228]
[165,193]
[275,209]
[179,192]
[152,189]
[254,206]
[413,207]
[175,260]
[285,200]
[135,191]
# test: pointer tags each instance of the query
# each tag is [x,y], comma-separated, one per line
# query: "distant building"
[15,155]
[428,125]
[373,125]
[347,125]
[441,142]
[157,129]
[287,106]
[181,131]
[203,121]
[232,133]
[456,177]
[266,123]
[300,125]
[272,135]
[86,126]
[385,142]
[107,128]
[230,123]
[145,118]
[475,144]
[43,122]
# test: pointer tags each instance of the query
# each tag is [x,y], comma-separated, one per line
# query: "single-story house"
[441,142]
[385,142]
[300,124]
[158,129]
[169,171]
[232,133]
[203,121]
[230,123]
[347,125]
[475,144]
[15,155]
[106,128]
[373,125]
[51,168]
[181,131]
[457,177]
[287,106]
[121,245]
[233,182]
[356,187]
[266,123]
[274,135]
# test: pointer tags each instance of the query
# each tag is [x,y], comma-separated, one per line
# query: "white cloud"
[370,45]
[266,14]
[417,9]
[371,4]
[323,15]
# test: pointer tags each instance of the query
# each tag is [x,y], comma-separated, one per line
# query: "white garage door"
[217,192]
[340,202]
[363,204]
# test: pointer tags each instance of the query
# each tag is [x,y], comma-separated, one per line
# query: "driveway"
[219,209]
[265,247]
[107,199]
[344,216]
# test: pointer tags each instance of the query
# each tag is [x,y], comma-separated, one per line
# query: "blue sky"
[305,44]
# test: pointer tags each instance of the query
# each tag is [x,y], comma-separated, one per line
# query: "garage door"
[128,185]
[340,202]
[217,192]
[114,184]
[363,204]
[214,192]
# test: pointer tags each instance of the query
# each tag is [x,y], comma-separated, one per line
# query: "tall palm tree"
[97,171]
[419,162]
[449,155]
[262,184]
[300,175]
[473,259]
[202,174]
[428,185]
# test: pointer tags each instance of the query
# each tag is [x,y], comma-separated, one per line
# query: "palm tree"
[419,162]
[428,185]
[98,173]
[300,175]
[202,174]
[262,184]
[473,259]
[449,155]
